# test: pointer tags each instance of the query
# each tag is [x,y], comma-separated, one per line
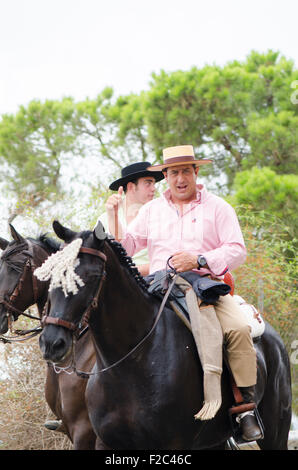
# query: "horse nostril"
[53,349]
[59,344]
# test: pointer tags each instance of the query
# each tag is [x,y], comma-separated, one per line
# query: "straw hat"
[179,155]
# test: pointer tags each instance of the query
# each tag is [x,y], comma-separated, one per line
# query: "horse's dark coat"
[149,400]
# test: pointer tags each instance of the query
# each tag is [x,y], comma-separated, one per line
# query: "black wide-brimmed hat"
[133,172]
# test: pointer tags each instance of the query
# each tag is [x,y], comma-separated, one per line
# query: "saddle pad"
[253,317]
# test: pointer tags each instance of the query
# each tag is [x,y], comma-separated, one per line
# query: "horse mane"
[14,247]
[48,243]
[127,262]
[118,249]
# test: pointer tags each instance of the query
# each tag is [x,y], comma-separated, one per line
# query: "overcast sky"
[56,48]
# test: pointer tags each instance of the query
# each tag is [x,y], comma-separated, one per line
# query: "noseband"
[47,320]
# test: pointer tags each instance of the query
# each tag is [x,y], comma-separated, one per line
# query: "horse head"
[18,287]
[76,273]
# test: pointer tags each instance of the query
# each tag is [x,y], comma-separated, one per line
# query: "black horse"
[19,289]
[148,382]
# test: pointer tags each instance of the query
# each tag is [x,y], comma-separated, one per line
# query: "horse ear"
[99,231]
[15,235]
[3,243]
[62,232]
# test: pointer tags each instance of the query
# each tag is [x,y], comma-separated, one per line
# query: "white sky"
[56,48]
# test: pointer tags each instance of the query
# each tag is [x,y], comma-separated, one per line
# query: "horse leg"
[83,436]
[99,445]
[275,409]
[277,421]
[75,413]
[53,399]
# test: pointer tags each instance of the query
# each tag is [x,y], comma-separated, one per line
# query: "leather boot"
[250,429]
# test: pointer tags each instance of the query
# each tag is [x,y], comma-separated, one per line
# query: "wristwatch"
[201,261]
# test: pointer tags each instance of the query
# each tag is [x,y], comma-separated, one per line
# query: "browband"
[91,251]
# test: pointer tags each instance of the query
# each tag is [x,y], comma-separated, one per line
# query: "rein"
[85,318]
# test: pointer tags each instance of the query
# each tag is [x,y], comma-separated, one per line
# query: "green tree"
[113,128]
[241,114]
[263,189]
[34,143]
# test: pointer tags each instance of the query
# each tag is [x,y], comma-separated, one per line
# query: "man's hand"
[112,204]
[184,261]
[114,201]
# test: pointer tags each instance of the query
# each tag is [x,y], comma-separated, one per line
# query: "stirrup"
[235,426]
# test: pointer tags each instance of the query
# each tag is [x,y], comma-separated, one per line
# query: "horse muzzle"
[56,344]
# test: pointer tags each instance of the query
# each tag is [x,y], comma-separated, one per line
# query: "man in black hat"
[138,186]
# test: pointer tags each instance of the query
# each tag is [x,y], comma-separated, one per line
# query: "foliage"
[268,279]
[113,128]
[34,145]
[240,114]
[263,189]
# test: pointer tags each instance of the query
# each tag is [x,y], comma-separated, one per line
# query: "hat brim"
[162,167]
[133,176]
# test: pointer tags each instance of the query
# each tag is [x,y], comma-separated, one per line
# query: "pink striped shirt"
[208,226]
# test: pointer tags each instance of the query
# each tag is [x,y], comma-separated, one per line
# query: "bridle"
[77,329]
[12,311]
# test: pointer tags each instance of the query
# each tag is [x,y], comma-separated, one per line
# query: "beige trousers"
[239,346]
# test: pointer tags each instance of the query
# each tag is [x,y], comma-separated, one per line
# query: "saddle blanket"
[253,317]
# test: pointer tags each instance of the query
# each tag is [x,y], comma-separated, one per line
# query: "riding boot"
[250,429]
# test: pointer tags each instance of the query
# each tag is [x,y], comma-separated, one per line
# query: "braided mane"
[127,262]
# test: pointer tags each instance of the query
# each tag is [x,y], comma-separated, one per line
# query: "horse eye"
[93,275]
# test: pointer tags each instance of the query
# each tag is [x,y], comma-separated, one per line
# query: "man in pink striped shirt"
[201,233]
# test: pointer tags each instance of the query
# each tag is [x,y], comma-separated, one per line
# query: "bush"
[268,279]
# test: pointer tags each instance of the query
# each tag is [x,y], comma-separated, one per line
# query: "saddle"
[208,290]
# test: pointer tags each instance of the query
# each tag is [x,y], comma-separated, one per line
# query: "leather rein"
[11,309]
[77,329]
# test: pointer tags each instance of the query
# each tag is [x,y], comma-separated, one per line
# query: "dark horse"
[19,289]
[147,382]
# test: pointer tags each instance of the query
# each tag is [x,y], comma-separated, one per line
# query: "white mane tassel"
[60,269]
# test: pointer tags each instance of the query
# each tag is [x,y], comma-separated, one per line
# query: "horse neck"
[125,312]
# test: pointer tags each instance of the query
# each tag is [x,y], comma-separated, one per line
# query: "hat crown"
[133,172]
[134,168]
[178,155]
[178,151]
